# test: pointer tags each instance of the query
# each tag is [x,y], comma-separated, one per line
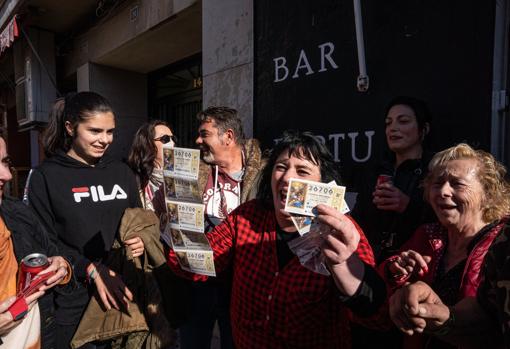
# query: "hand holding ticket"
[303,196]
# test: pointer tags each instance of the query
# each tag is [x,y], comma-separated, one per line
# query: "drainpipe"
[499,112]
[362,83]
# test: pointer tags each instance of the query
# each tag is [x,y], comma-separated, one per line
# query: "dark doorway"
[175,95]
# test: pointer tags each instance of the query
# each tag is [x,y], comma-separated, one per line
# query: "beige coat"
[97,324]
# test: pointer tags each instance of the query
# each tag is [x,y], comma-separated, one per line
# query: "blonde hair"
[490,173]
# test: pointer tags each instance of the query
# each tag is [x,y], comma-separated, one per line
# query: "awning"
[9,34]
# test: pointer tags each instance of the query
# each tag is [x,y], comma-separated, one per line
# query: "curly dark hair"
[143,151]
[303,145]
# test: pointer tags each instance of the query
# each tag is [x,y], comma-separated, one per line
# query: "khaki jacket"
[97,324]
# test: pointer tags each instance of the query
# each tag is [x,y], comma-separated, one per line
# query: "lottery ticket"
[185,216]
[303,196]
[198,262]
[181,163]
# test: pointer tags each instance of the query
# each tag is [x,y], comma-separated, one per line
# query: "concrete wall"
[126,91]
[136,18]
[227,51]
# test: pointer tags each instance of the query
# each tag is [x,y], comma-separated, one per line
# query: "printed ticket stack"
[184,231]
[302,198]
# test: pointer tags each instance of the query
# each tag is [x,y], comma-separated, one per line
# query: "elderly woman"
[467,191]
[276,302]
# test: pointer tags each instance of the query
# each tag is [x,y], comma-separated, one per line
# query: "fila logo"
[97,193]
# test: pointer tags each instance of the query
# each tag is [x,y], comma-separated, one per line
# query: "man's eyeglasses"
[166,138]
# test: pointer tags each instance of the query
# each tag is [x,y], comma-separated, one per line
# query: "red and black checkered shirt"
[271,307]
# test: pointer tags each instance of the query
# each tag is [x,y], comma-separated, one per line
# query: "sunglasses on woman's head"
[166,138]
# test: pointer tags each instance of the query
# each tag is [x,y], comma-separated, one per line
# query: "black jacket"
[81,207]
[29,236]
[378,225]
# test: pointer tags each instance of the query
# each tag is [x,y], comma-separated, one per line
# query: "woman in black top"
[390,212]
[80,194]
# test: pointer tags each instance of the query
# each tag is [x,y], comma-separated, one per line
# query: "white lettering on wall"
[302,63]
[327,55]
[279,64]
[336,143]
[303,66]
[320,139]
[353,136]
[335,137]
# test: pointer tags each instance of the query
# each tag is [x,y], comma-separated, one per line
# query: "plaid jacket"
[272,307]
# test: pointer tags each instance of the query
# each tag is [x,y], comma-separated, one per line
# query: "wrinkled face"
[211,143]
[92,137]
[5,163]
[284,169]
[402,131]
[160,131]
[456,194]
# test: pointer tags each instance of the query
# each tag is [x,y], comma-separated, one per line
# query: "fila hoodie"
[81,206]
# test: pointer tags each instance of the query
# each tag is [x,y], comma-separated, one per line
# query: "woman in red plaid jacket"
[276,302]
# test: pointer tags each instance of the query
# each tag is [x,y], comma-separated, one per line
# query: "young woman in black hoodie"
[80,194]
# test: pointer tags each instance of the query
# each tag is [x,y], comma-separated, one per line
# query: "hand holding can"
[388,197]
[30,266]
[379,188]
[383,178]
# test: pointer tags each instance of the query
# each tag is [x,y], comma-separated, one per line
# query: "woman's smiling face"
[402,130]
[284,169]
[456,194]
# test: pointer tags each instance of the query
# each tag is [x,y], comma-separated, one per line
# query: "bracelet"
[91,275]
[446,327]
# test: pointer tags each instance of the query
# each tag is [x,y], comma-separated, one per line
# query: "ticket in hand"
[181,162]
[198,262]
[185,215]
[302,223]
[303,196]
[181,189]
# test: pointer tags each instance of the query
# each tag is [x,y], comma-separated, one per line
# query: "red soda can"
[30,266]
[383,179]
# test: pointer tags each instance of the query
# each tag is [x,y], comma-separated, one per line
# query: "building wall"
[126,91]
[135,20]
[227,51]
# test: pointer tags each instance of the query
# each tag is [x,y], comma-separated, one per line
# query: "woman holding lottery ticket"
[390,203]
[276,301]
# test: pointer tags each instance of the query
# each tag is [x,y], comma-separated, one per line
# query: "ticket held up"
[303,196]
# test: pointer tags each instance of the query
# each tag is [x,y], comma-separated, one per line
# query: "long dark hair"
[143,151]
[75,108]
[303,145]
